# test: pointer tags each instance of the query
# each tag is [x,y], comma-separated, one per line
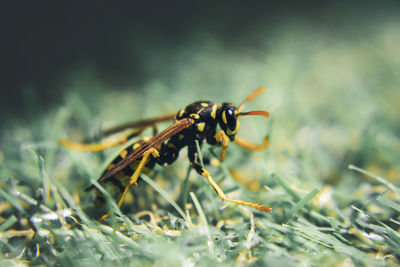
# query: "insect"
[198,121]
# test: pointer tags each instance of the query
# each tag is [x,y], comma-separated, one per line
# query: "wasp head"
[228,119]
[228,114]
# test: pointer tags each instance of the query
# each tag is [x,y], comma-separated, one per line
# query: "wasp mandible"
[203,121]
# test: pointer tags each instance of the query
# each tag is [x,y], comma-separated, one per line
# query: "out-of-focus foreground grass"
[331,174]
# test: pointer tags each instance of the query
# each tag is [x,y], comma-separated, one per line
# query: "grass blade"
[164,194]
[377,178]
[299,205]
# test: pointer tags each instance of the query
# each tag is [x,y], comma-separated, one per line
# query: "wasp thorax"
[227,119]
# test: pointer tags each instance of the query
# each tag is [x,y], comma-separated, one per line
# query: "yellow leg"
[246,144]
[222,196]
[221,137]
[100,146]
[91,147]
[135,176]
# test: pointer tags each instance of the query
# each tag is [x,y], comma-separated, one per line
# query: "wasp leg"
[221,137]
[133,179]
[203,172]
[246,144]
[90,147]
[135,176]
[99,146]
[223,197]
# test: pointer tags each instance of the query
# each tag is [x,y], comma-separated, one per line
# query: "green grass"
[331,173]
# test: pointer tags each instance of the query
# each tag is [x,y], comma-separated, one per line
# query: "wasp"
[201,121]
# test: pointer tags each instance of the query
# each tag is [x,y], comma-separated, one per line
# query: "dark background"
[44,42]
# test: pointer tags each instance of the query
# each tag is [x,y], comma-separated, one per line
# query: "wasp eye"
[230,118]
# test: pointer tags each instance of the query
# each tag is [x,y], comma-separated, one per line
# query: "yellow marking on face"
[181,113]
[123,153]
[224,117]
[237,126]
[229,132]
[200,126]
[204,104]
[181,136]
[109,167]
[214,111]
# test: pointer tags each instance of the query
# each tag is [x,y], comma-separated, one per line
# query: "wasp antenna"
[254,94]
[254,113]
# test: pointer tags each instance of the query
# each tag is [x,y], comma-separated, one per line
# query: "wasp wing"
[140,124]
[140,151]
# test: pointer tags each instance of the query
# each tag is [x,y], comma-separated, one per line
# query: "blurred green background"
[332,73]
[331,70]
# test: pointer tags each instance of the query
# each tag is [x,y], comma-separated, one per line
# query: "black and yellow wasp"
[198,121]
